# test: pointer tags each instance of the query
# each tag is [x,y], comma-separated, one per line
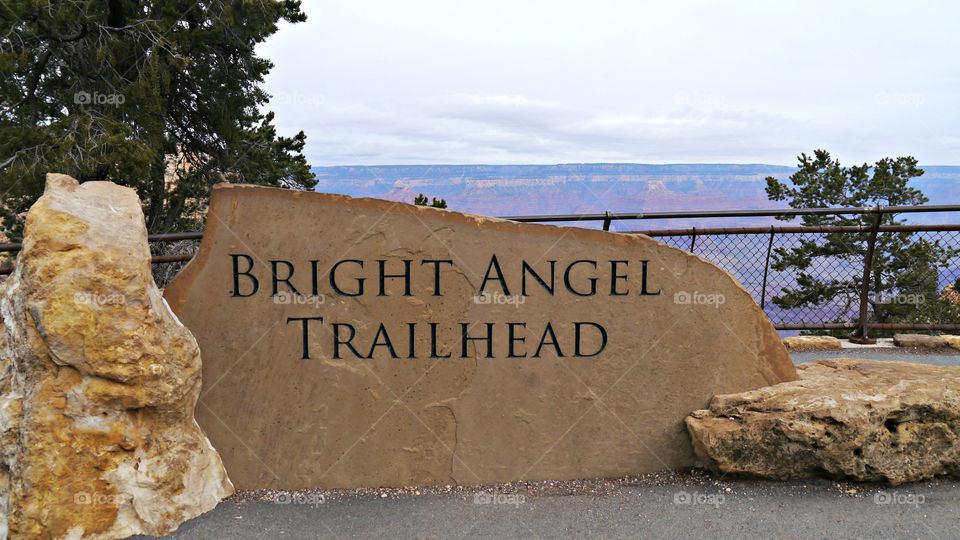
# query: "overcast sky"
[375,82]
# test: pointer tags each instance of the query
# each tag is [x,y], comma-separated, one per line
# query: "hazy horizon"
[666,164]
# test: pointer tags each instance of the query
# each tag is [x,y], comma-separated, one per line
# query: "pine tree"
[421,200]
[904,277]
[115,89]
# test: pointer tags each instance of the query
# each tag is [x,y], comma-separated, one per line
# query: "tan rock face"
[812,342]
[398,384]
[846,418]
[98,380]
[919,340]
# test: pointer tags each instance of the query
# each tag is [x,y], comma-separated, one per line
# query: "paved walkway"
[655,506]
[741,509]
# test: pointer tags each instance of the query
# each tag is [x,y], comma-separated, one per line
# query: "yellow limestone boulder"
[98,380]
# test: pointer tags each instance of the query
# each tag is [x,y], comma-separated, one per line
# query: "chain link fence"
[750,255]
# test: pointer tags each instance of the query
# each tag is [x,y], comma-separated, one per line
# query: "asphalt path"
[667,505]
[686,509]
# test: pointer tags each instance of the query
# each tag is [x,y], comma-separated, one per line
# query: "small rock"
[919,340]
[812,342]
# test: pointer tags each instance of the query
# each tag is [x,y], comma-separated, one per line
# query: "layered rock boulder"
[98,380]
[849,419]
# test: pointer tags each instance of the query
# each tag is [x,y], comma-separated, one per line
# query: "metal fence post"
[693,239]
[861,334]
[607,218]
[766,269]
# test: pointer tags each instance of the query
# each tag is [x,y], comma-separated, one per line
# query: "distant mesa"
[501,190]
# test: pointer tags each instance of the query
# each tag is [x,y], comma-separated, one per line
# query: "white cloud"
[427,81]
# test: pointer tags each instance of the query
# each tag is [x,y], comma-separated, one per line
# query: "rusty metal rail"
[794,230]
[608,217]
[873,326]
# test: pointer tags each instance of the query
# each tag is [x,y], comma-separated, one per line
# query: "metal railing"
[745,252]
[608,217]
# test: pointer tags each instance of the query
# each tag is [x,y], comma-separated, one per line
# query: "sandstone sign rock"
[98,380]
[361,342]
[845,418]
